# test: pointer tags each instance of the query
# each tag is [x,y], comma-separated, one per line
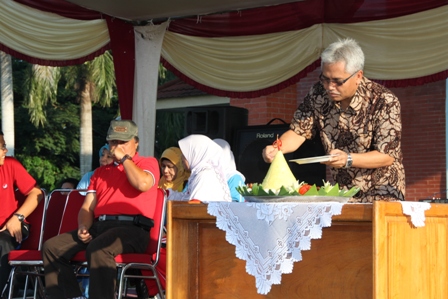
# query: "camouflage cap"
[123,130]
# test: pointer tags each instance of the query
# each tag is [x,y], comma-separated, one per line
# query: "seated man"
[117,193]
[13,226]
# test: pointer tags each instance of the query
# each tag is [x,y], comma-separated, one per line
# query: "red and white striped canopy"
[230,47]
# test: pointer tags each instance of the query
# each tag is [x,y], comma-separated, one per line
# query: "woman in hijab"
[207,181]
[234,177]
[105,159]
[174,175]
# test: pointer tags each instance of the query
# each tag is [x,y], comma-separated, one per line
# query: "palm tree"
[93,82]
[7,101]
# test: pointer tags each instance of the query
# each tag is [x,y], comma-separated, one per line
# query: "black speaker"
[215,121]
[250,142]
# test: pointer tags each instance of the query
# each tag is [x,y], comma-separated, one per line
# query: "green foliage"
[50,153]
[165,75]
[102,74]
[169,129]
[41,87]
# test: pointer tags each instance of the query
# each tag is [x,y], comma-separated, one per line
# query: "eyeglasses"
[325,80]
[3,147]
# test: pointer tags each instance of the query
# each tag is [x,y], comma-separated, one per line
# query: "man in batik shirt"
[359,123]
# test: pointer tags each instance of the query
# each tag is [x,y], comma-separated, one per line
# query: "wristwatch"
[125,157]
[20,216]
[349,162]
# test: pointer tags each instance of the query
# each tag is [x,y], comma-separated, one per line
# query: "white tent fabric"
[142,10]
[415,45]
[148,45]
[49,36]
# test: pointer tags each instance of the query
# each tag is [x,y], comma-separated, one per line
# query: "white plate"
[312,159]
[296,198]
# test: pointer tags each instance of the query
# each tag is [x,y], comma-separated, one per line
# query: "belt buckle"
[102,218]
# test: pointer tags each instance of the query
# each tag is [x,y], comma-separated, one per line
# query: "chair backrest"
[69,220]
[57,200]
[36,220]
[158,212]
[155,242]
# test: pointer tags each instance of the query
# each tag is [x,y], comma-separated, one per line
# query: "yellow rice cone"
[279,174]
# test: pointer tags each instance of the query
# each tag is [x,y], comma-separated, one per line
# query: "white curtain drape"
[400,48]
[49,36]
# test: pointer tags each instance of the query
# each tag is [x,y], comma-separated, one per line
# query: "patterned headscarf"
[175,156]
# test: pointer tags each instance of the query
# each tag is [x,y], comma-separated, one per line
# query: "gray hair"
[346,50]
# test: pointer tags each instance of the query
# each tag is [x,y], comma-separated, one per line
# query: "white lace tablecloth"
[416,210]
[271,236]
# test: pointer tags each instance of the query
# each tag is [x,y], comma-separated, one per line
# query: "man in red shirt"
[118,192]
[13,226]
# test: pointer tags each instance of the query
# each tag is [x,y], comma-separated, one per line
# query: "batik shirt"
[371,122]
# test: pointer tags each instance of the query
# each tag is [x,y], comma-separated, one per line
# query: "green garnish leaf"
[262,192]
[283,191]
[312,191]
[351,192]
[255,189]
[271,193]
[322,191]
[333,191]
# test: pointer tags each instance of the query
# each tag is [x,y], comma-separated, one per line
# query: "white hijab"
[228,159]
[202,153]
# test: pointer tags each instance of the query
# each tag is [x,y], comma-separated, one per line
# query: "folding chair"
[148,261]
[56,205]
[32,244]
[69,219]
[29,259]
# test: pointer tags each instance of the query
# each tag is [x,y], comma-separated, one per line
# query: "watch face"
[21,217]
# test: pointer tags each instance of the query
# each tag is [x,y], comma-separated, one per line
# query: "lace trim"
[416,210]
[271,236]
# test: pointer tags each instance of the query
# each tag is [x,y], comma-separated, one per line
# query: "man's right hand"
[269,153]
[84,235]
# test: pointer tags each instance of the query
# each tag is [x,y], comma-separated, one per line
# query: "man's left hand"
[338,159]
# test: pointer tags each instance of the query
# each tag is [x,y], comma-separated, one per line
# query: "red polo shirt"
[12,175]
[116,196]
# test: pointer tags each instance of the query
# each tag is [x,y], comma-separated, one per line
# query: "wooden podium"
[410,262]
[370,251]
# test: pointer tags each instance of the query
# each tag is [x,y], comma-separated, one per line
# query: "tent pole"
[148,46]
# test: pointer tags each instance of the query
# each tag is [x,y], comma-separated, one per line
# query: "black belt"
[115,218]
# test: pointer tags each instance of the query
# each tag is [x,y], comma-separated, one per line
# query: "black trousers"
[8,243]
[110,238]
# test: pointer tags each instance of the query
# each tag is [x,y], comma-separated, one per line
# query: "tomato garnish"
[304,189]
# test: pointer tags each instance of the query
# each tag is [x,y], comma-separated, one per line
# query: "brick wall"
[423,118]
[264,109]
